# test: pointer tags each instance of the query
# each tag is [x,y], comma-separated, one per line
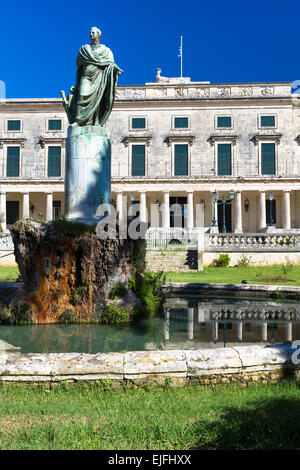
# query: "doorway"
[224,220]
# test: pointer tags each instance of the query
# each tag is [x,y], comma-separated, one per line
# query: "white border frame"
[223,128]
[62,160]
[173,128]
[54,118]
[138,142]
[11,119]
[260,115]
[5,161]
[132,129]
[180,142]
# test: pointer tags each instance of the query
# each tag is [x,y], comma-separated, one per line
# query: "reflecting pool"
[187,323]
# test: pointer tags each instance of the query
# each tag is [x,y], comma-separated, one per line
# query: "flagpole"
[181,54]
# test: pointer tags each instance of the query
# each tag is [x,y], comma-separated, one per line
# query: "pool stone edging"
[199,288]
[241,364]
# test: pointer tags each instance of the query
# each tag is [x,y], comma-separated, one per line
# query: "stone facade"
[158,118]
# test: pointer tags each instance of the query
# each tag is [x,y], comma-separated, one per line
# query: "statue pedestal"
[88,172]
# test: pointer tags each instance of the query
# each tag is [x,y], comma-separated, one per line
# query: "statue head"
[95,33]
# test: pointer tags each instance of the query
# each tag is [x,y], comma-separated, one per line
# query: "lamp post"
[222,202]
[271,197]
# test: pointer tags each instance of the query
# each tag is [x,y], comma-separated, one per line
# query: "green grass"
[9,273]
[232,275]
[84,417]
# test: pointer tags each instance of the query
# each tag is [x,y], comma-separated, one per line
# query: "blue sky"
[222,41]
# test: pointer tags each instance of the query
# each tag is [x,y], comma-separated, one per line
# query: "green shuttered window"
[181,159]
[181,123]
[13,125]
[138,160]
[54,161]
[13,161]
[223,121]
[268,159]
[54,125]
[138,123]
[267,121]
[224,159]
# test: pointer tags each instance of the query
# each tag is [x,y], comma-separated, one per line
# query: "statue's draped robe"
[96,81]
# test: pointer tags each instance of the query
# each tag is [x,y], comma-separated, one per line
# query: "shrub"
[68,316]
[287,268]
[112,315]
[148,288]
[78,295]
[1,228]
[243,261]
[222,261]
[118,291]
[21,314]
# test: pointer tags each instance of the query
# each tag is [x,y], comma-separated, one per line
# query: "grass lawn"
[84,417]
[9,273]
[232,275]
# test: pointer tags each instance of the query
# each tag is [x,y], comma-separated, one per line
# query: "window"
[181,123]
[181,153]
[268,159]
[12,212]
[267,121]
[138,123]
[54,161]
[56,209]
[138,160]
[224,159]
[13,125]
[224,121]
[13,161]
[54,125]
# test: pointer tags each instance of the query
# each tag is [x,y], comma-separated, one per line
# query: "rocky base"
[68,271]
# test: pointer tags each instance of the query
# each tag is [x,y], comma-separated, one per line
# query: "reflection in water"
[187,323]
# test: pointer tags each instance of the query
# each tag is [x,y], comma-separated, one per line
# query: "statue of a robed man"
[93,95]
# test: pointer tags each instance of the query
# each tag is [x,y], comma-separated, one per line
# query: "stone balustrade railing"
[252,242]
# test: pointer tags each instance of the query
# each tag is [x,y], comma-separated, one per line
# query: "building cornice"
[12,140]
[222,137]
[260,137]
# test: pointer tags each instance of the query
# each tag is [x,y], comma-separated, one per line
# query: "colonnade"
[190,218]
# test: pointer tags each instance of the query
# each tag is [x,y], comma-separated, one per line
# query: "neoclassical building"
[173,141]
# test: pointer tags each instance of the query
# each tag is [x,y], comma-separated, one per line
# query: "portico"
[251,211]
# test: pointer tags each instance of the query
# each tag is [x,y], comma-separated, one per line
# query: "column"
[25,209]
[215,331]
[143,207]
[214,215]
[239,331]
[190,323]
[49,206]
[238,212]
[262,211]
[3,210]
[166,211]
[190,210]
[119,206]
[289,331]
[287,210]
[264,331]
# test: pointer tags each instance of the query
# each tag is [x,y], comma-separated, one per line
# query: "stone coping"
[249,289]
[140,367]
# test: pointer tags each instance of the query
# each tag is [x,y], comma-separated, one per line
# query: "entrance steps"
[164,259]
